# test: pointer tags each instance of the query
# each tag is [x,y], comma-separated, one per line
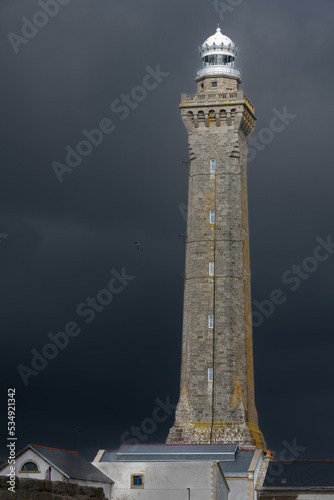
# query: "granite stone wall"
[34,489]
[223,410]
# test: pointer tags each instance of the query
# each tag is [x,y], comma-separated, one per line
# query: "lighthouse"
[217,401]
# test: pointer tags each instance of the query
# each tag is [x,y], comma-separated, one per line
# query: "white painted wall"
[239,488]
[55,474]
[163,480]
[222,492]
[43,465]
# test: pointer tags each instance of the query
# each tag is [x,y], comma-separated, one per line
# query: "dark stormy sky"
[64,239]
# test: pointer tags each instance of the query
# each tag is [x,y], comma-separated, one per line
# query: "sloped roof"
[70,464]
[232,460]
[240,465]
[170,453]
[299,474]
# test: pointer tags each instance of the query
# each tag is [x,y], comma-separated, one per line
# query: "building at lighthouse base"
[199,472]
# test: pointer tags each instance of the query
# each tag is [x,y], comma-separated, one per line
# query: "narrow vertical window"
[212,216]
[211,269]
[211,321]
[212,166]
[210,374]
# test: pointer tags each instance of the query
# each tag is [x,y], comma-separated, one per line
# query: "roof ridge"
[182,444]
[49,448]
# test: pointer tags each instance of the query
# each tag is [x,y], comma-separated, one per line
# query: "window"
[211,320]
[211,269]
[137,481]
[210,374]
[212,166]
[214,84]
[212,216]
[29,467]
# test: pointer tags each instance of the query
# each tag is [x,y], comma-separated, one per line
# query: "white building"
[181,472]
[39,462]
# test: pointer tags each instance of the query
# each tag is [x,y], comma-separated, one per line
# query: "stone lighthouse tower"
[217,403]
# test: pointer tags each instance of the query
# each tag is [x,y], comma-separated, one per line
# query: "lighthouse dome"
[218,39]
[218,44]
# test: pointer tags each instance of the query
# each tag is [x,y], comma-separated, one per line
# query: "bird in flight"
[137,244]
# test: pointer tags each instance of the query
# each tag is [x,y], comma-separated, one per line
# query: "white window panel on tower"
[212,166]
[211,320]
[212,216]
[211,269]
[210,374]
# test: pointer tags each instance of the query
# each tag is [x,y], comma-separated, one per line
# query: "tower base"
[247,436]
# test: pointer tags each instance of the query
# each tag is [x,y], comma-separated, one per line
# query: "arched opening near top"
[212,117]
[201,118]
[223,115]
[233,113]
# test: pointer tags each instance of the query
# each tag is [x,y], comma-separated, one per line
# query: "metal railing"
[215,70]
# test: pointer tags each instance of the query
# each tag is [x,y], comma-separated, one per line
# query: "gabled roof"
[284,475]
[69,463]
